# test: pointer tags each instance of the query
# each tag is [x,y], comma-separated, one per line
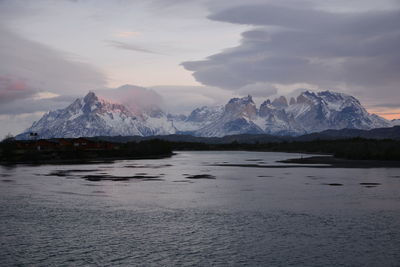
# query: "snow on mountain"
[238,117]
[274,118]
[330,110]
[309,112]
[395,122]
[93,116]
[198,118]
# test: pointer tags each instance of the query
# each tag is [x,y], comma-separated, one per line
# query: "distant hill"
[379,133]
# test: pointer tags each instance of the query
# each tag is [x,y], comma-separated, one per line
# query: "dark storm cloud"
[290,45]
[310,19]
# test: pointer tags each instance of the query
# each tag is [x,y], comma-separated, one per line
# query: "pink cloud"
[12,89]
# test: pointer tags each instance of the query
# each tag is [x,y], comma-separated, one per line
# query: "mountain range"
[308,113]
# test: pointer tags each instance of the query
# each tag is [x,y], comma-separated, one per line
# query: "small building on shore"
[65,144]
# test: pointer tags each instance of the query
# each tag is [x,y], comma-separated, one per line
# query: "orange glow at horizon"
[388,114]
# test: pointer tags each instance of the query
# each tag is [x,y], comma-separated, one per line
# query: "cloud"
[355,51]
[45,95]
[16,124]
[131,47]
[183,99]
[34,104]
[134,97]
[258,89]
[28,67]
[125,34]
[11,90]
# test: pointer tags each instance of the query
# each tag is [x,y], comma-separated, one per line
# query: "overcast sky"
[195,52]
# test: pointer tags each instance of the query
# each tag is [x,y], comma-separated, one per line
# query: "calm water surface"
[244,217]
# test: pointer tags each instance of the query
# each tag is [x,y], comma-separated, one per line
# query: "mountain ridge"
[93,116]
[308,113]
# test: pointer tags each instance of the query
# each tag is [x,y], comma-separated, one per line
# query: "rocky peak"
[93,116]
[331,95]
[203,113]
[90,98]
[242,101]
[280,102]
[241,107]
[265,108]
[265,104]
[90,102]
[305,97]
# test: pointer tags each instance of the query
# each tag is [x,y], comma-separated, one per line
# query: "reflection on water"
[188,210]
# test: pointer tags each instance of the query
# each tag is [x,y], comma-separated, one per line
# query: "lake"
[189,211]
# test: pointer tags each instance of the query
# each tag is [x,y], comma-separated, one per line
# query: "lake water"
[247,216]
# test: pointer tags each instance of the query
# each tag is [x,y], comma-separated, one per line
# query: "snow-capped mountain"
[93,116]
[238,117]
[395,122]
[275,120]
[330,110]
[198,118]
[309,112]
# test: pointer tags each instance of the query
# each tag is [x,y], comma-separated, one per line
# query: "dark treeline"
[11,151]
[355,148]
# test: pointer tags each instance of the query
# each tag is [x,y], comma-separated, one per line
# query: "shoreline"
[82,160]
[323,161]
[343,163]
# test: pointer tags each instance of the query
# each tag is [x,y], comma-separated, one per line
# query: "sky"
[191,53]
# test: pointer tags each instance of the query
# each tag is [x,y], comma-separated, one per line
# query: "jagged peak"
[205,109]
[200,108]
[204,112]
[306,97]
[248,98]
[308,93]
[332,94]
[90,97]
[265,103]
[280,102]
[327,94]
[245,100]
